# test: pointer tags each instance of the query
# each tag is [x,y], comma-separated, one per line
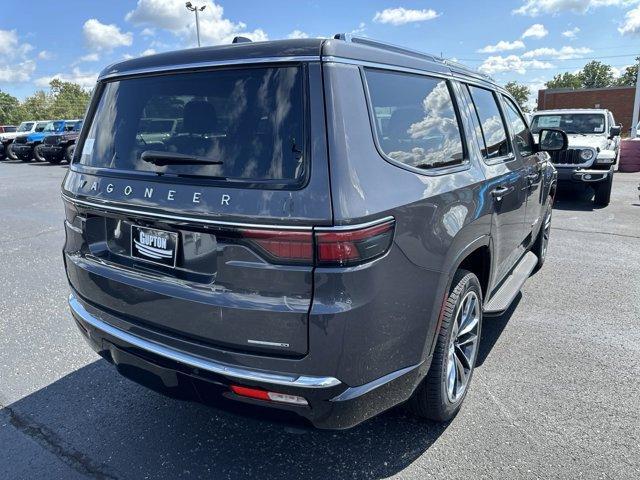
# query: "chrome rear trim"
[129,210]
[290,380]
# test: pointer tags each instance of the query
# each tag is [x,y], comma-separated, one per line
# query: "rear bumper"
[583,175]
[178,374]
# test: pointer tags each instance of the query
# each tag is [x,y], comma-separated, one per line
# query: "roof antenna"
[241,40]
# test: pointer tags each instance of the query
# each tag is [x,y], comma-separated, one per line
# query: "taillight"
[350,247]
[283,245]
[333,247]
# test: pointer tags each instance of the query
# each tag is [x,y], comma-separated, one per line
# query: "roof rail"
[347,37]
[458,67]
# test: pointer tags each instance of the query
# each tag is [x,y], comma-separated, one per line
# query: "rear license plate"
[155,246]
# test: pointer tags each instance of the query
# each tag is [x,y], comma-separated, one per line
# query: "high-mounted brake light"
[268,396]
[353,246]
[332,247]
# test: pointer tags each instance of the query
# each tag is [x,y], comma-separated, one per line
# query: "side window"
[415,120]
[493,129]
[521,134]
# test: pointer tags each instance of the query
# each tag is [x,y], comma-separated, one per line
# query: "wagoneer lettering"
[320,232]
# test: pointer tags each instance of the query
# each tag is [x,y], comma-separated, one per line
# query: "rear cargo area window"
[415,120]
[246,124]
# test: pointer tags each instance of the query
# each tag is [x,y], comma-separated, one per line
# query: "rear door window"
[521,134]
[415,119]
[243,124]
[493,130]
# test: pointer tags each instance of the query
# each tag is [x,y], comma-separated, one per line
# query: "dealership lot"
[556,393]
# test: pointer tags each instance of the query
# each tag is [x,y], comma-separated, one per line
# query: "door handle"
[500,192]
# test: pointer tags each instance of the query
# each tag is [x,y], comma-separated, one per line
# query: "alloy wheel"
[463,346]
[546,231]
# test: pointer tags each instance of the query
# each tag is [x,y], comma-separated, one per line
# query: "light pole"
[194,8]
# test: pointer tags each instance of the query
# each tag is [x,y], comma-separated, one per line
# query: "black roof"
[343,46]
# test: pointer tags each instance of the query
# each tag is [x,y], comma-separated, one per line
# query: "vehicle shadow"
[575,197]
[103,425]
[492,328]
[47,164]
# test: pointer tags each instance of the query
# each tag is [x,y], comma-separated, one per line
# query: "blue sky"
[524,40]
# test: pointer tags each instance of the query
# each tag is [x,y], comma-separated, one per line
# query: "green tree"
[596,74]
[9,109]
[36,106]
[565,80]
[69,100]
[520,92]
[628,77]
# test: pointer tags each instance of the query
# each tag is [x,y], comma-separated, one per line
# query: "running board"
[512,285]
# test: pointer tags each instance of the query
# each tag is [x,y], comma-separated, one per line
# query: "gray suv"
[322,233]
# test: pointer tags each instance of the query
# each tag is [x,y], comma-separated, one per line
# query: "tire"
[9,153]
[603,192]
[68,152]
[541,245]
[37,153]
[54,160]
[437,397]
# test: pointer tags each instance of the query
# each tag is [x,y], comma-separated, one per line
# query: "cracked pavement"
[556,393]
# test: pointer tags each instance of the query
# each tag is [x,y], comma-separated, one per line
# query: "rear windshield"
[570,122]
[243,124]
[9,129]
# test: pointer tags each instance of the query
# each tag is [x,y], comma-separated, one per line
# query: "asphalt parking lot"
[556,393]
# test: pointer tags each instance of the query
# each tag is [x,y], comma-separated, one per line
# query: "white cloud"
[571,34]
[90,57]
[148,51]
[511,63]
[171,15]
[564,53]
[401,16]
[631,24]
[536,30]
[148,32]
[534,8]
[17,72]
[10,46]
[16,66]
[100,36]
[298,34]
[84,79]
[45,55]
[502,46]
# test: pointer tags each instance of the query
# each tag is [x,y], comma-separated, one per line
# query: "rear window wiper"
[172,158]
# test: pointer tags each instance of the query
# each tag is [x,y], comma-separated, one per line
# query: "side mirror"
[552,140]
[615,130]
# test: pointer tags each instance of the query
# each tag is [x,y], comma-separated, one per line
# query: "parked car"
[25,145]
[7,138]
[286,248]
[60,146]
[8,128]
[594,139]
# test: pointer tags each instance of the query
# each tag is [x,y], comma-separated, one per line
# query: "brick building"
[617,99]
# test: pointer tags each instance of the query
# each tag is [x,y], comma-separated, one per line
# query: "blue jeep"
[29,146]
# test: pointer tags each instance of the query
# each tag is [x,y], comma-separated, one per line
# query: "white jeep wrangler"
[6,139]
[594,139]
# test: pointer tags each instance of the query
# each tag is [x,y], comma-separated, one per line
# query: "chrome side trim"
[212,64]
[301,381]
[182,218]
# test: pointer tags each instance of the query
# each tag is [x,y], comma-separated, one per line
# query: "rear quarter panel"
[389,309]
